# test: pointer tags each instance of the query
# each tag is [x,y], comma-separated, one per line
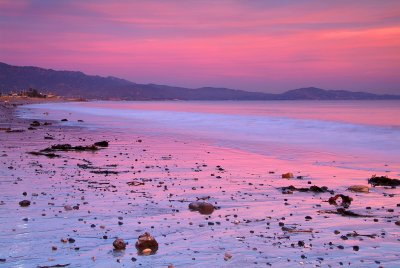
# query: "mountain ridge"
[78,84]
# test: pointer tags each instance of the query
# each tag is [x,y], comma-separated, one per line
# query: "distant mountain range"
[78,84]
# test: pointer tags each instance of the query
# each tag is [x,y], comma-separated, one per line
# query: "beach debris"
[315,189]
[359,188]
[202,207]
[135,183]
[119,244]
[294,230]
[49,155]
[288,175]
[346,200]
[105,172]
[355,234]
[35,124]
[15,130]
[55,266]
[344,212]
[146,244]
[69,147]
[383,181]
[101,144]
[25,203]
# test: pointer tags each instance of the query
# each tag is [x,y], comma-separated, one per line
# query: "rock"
[397,223]
[146,241]
[25,203]
[227,256]
[383,181]
[64,120]
[359,188]
[202,207]
[101,143]
[346,200]
[119,244]
[68,207]
[35,124]
[287,176]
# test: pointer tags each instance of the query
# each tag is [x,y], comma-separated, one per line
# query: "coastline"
[249,223]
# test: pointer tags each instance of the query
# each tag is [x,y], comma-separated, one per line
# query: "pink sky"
[269,46]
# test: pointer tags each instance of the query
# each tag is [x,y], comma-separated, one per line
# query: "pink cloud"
[211,43]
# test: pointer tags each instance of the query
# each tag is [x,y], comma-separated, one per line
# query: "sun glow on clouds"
[253,45]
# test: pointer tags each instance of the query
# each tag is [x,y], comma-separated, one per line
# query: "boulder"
[287,175]
[202,207]
[119,244]
[145,242]
[359,188]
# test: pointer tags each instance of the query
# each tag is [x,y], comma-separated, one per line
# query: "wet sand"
[254,221]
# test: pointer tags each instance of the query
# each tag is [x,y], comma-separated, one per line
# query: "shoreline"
[254,222]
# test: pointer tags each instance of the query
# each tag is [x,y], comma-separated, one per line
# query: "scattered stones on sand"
[69,147]
[119,244]
[25,203]
[359,188]
[383,181]
[315,189]
[288,175]
[203,208]
[145,243]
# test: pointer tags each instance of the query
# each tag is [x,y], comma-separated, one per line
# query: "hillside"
[78,84]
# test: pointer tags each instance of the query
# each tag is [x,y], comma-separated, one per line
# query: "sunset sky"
[269,46]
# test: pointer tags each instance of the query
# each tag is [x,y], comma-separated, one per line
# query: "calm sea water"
[355,133]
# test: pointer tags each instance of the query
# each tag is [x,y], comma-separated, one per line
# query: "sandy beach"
[81,201]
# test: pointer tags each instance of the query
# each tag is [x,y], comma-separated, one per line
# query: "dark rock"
[49,155]
[146,241]
[383,181]
[101,143]
[119,244]
[313,189]
[25,203]
[35,124]
[64,120]
[202,207]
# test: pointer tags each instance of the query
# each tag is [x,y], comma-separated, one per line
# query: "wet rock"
[64,120]
[146,241]
[49,155]
[397,223]
[25,203]
[383,181]
[69,147]
[101,143]
[346,200]
[35,124]
[227,256]
[119,244]
[359,188]
[68,207]
[202,207]
[287,175]
[314,189]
